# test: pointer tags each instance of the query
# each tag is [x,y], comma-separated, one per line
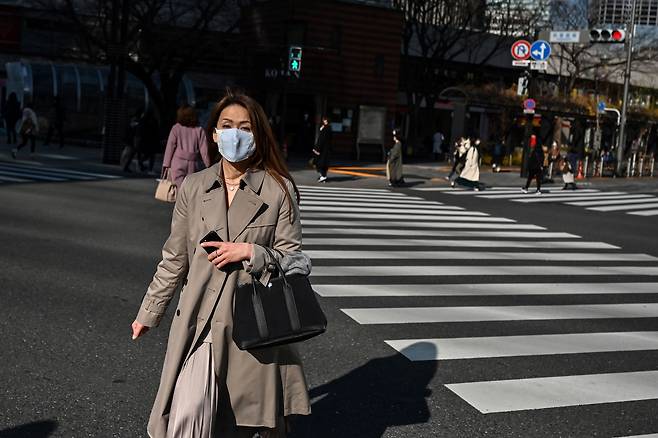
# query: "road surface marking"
[625,207]
[394,224]
[483,289]
[429,216]
[532,345]
[532,270]
[478,255]
[398,209]
[385,233]
[425,315]
[386,243]
[614,200]
[645,213]
[553,392]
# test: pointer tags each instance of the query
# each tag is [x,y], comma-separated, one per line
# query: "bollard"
[641,166]
[628,168]
[653,159]
[586,166]
[550,171]
[510,160]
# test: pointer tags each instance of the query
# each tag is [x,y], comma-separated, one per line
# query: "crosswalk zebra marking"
[386,232]
[545,195]
[625,207]
[477,255]
[650,435]
[481,289]
[424,315]
[552,392]
[451,271]
[630,199]
[523,345]
[398,210]
[386,243]
[435,216]
[16,172]
[410,224]
[31,176]
[341,189]
[645,213]
[564,199]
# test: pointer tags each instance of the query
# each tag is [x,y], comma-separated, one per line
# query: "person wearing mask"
[11,114]
[535,165]
[210,387]
[187,147]
[394,163]
[322,149]
[28,128]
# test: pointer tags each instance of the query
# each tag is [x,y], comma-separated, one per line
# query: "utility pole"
[627,80]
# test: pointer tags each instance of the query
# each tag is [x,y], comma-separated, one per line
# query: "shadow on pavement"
[387,391]
[38,429]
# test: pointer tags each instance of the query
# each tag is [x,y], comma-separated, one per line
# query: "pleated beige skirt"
[198,410]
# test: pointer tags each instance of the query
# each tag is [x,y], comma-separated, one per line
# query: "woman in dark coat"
[535,165]
[323,149]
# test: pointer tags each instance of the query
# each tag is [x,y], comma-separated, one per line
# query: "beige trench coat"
[262,385]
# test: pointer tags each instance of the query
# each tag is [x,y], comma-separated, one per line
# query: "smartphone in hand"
[210,237]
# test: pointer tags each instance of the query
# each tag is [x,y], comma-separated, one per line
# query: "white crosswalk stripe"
[363,253]
[590,199]
[22,173]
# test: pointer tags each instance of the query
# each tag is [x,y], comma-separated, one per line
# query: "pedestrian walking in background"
[187,146]
[437,144]
[470,174]
[210,387]
[11,113]
[459,157]
[28,128]
[56,119]
[567,175]
[535,165]
[394,162]
[322,149]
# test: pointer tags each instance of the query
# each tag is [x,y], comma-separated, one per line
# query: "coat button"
[178,312]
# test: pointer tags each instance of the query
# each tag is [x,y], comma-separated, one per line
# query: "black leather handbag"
[283,312]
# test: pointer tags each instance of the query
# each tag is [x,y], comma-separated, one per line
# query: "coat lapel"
[244,208]
[213,207]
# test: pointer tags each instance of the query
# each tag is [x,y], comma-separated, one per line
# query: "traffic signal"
[607,35]
[295,59]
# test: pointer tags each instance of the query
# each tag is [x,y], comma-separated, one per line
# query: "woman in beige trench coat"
[208,386]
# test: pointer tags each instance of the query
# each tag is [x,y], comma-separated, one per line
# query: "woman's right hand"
[138,329]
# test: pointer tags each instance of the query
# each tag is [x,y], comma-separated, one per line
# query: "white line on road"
[650,435]
[625,207]
[627,199]
[375,203]
[12,179]
[412,224]
[532,345]
[560,194]
[532,270]
[58,171]
[570,199]
[435,216]
[553,392]
[423,315]
[385,232]
[387,243]
[645,213]
[478,255]
[398,209]
[341,189]
[31,175]
[359,197]
[484,289]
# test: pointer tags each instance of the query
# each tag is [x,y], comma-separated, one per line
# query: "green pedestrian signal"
[295,59]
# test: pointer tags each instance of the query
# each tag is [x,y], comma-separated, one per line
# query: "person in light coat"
[394,162]
[470,174]
[28,127]
[209,387]
[187,147]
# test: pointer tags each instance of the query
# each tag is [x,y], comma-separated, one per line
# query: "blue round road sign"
[540,50]
[529,104]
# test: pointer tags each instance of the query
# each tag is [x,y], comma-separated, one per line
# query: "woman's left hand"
[228,252]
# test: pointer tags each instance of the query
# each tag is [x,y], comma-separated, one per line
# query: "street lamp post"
[627,79]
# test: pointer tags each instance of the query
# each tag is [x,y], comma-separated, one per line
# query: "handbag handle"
[288,293]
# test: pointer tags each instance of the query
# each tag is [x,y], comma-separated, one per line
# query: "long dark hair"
[268,155]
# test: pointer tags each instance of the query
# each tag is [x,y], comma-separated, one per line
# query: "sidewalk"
[342,172]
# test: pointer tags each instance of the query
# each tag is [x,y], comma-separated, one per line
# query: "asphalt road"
[580,349]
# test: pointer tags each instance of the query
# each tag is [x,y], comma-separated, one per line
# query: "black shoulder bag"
[283,312]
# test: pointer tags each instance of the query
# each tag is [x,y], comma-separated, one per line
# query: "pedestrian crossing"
[11,172]
[398,272]
[590,199]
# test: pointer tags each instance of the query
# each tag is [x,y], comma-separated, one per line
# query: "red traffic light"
[618,35]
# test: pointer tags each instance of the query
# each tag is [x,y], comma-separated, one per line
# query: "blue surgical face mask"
[234,144]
